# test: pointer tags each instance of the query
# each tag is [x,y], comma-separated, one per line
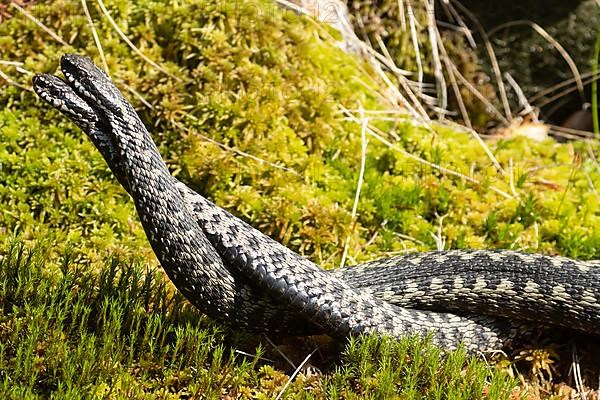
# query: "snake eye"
[92,84]
[49,88]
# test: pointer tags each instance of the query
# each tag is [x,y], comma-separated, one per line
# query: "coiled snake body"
[236,274]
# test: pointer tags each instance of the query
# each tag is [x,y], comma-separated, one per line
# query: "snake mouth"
[61,96]
[86,95]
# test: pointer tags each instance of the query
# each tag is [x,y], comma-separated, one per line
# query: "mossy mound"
[120,334]
[269,84]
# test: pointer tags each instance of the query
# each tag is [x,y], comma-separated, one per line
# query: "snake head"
[61,96]
[92,84]
[82,110]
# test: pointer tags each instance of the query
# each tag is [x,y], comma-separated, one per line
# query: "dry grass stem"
[565,55]
[462,26]
[563,93]
[450,70]
[131,45]
[416,104]
[10,81]
[586,77]
[38,23]
[296,372]
[95,35]
[233,150]
[437,65]
[379,136]
[278,350]
[523,102]
[361,174]
[472,89]
[493,60]
[415,42]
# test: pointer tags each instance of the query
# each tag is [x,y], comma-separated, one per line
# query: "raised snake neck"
[235,273]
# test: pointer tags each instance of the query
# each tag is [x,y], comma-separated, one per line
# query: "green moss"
[60,193]
[269,87]
[120,333]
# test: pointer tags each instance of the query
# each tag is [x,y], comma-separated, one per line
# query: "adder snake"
[238,275]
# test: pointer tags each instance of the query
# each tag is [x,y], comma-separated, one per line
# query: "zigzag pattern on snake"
[238,275]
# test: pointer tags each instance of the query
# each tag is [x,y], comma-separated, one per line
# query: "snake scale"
[236,274]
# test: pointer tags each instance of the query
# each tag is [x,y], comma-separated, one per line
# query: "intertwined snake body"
[236,274]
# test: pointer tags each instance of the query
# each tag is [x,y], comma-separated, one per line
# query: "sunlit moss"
[269,83]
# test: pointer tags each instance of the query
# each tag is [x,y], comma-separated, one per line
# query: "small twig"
[131,45]
[361,174]
[39,23]
[565,55]
[95,35]
[296,372]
